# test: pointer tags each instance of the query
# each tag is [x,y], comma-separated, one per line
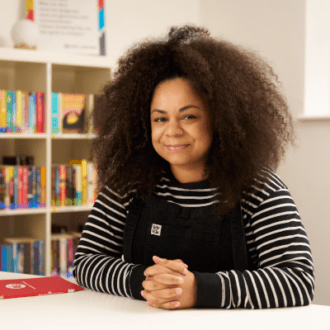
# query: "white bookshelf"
[48,72]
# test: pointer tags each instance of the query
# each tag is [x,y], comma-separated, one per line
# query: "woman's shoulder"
[109,196]
[267,185]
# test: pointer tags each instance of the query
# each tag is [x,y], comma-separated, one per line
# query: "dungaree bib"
[192,234]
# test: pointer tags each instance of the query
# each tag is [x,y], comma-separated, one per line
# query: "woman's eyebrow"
[180,110]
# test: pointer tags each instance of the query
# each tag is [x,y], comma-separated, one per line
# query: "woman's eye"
[189,117]
[159,119]
[162,119]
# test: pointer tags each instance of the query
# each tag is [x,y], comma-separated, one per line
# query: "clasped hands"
[169,285]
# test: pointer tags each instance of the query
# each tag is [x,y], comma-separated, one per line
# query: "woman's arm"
[97,263]
[284,272]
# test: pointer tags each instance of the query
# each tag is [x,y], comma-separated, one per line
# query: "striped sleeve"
[283,272]
[98,263]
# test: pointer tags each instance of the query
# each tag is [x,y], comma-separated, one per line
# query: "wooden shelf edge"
[313,118]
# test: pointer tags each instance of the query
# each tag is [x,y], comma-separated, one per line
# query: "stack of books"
[22,187]
[22,255]
[22,111]
[74,113]
[74,184]
[27,255]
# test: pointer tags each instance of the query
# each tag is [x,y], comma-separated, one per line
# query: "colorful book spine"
[16,186]
[38,186]
[34,113]
[53,203]
[20,186]
[63,257]
[40,112]
[19,111]
[57,186]
[84,181]
[90,183]
[26,112]
[34,187]
[2,188]
[70,257]
[30,113]
[55,120]
[9,111]
[43,187]
[78,185]
[59,110]
[30,187]
[62,185]
[25,186]
[14,112]
[12,187]
[3,111]
[7,183]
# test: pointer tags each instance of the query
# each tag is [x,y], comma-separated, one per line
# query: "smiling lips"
[177,147]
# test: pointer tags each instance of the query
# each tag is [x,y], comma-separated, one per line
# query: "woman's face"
[180,124]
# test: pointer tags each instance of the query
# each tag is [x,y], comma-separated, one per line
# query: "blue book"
[14,119]
[36,258]
[15,257]
[34,116]
[16,187]
[4,257]
[34,186]
[10,261]
[55,113]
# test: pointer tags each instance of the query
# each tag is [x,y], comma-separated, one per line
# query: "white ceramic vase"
[25,34]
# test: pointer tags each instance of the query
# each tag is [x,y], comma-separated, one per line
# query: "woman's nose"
[174,128]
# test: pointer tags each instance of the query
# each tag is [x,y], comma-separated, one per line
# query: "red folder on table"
[25,287]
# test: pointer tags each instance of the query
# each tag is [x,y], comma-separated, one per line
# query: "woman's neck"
[184,175]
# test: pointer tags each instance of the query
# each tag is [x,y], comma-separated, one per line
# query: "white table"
[94,310]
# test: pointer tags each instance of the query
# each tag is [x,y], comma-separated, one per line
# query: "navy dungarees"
[194,235]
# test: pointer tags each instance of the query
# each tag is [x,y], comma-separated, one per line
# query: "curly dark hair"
[251,121]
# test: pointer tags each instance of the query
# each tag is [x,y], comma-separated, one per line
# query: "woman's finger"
[158,260]
[161,281]
[159,302]
[165,266]
[167,293]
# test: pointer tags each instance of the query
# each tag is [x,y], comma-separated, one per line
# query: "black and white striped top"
[277,245]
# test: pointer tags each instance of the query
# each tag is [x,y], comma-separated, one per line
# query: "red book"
[40,100]
[20,186]
[62,185]
[26,287]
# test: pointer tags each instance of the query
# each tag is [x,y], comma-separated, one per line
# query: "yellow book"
[7,185]
[3,110]
[84,182]
[18,111]
[11,182]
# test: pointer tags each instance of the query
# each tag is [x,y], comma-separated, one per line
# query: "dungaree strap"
[238,240]
[134,214]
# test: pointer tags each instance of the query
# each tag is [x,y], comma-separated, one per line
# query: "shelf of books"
[48,182]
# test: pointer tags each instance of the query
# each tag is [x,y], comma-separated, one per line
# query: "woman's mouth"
[177,147]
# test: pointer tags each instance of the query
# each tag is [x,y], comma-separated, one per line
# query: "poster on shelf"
[69,26]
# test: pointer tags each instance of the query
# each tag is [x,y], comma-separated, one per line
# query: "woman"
[191,212]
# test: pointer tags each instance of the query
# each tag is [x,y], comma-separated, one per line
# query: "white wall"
[277,30]
[129,21]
